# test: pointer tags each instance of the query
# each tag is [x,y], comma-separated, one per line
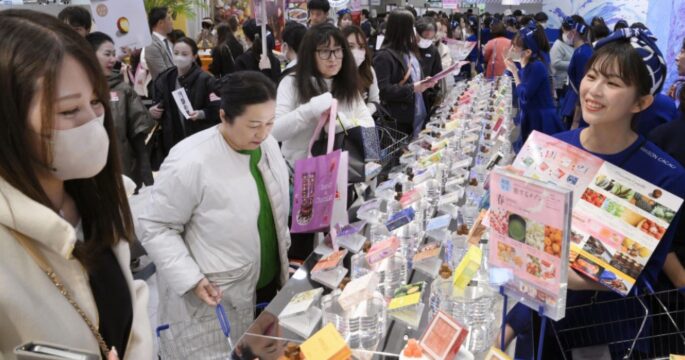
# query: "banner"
[125,21]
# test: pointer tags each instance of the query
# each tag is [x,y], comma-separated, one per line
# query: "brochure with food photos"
[618,218]
[530,225]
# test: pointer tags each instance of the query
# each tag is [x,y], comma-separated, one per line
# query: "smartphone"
[46,351]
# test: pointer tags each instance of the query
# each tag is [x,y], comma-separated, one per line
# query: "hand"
[511,66]
[125,52]
[264,62]
[321,103]
[156,112]
[196,115]
[208,292]
[421,86]
[113,354]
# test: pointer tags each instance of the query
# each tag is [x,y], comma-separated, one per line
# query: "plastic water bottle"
[441,288]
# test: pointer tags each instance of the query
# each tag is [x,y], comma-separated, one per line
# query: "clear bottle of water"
[479,309]
[441,289]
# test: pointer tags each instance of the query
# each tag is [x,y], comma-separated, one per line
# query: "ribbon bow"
[580,28]
[528,35]
[644,42]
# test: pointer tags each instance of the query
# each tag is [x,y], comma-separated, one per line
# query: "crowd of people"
[217,181]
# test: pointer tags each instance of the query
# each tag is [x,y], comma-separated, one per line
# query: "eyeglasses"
[325,54]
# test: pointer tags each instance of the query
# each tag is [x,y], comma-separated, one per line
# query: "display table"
[268,336]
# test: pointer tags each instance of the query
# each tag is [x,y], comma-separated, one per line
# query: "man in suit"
[159,54]
[366,24]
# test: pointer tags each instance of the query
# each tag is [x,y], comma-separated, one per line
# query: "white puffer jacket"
[201,221]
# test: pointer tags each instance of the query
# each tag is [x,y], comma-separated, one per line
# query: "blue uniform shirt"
[647,161]
[576,72]
[662,111]
[476,56]
[536,105]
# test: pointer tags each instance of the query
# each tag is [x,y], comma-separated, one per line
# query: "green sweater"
[265,223]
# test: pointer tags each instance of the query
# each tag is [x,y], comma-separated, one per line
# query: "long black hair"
[399,32]
[309,81]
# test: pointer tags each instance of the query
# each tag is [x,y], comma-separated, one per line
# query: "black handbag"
[362,146]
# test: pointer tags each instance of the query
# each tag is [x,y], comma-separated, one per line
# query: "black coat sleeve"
[389,74]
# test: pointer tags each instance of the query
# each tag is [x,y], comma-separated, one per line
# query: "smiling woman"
[216,225]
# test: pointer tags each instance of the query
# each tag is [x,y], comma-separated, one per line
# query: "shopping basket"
[649,325]
[203,338]
[392,142]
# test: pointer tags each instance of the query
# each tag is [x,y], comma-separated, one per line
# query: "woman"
[131,119]
[609,102]
[63,201]
[440,36]
[576,34]
[344,18]
[325,70]
[430,57]
[253,59]
[560,55]
[533,88]
[400,79]
[368,82]
[201,88]
[475,57]
[225,53]
[216,224]
[495,50]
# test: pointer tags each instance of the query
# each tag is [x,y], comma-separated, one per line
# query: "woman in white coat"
[325,69]
[216,221]
[65,223]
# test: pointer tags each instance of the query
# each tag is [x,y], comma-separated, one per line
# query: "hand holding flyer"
[443,74]
[183,103]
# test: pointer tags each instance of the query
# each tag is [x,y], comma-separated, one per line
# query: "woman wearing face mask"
[367,76]
[533,87]
[216,223]
[430,57]
[475,57]
[201,88]
[253,59]
[440,36]
[400,79]
[131,119]
[576,34]
[560,56]
[344,18]
[65,221]
[325,69]
[625,72]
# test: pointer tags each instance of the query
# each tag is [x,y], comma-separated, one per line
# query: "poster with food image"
[125,21]
[553,161]
[527,220]
[618,218]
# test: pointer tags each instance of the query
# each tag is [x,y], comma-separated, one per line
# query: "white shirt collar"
[159,36]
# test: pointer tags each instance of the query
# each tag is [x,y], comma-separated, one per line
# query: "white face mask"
[182,62]
[515,55]
[359,56]
[440,35]
[425,43]
[81,152]
[345,23]
[567,39]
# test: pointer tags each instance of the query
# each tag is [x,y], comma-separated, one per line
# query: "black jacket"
[431,64]
[203,93]
[397,98]
[247,61]
[224,56]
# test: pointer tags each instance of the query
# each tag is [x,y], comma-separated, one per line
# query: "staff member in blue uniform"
[624,74]
[533,85]
[475,57]
[575,33]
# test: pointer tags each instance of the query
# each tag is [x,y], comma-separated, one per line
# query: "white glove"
[320,104]
[264,62]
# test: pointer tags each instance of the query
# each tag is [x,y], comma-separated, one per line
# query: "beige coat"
[31,308]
